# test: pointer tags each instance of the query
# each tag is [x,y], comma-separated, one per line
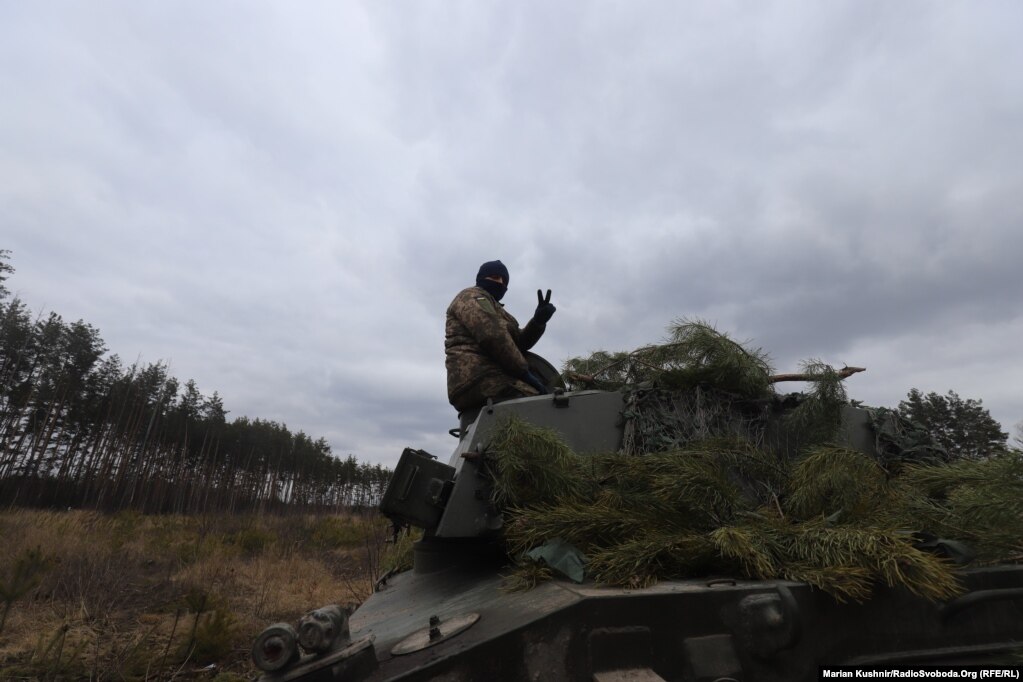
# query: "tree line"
[962,426]
[80,428]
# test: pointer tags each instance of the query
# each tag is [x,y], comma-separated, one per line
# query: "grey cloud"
[283,202]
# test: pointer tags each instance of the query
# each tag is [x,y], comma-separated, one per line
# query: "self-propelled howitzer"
[449,618]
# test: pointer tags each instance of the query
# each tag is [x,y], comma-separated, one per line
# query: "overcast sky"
[281,199]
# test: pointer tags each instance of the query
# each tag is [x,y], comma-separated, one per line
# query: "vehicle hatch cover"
[436,632]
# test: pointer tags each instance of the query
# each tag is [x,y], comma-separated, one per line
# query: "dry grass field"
[89,596]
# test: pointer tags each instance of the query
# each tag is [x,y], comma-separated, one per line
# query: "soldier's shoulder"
[474,299]
[466,295]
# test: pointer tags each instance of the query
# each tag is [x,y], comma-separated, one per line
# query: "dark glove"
[544,308]
[534,381]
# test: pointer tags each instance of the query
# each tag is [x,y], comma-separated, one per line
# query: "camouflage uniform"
[484,350]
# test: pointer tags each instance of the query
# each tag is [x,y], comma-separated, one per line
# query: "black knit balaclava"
[494,268]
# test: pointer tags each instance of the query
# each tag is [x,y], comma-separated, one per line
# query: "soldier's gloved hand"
[544,308]
[535,382]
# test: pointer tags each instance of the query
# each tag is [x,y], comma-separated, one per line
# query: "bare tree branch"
[843,373]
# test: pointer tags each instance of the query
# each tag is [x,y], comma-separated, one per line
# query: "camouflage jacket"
[484,347]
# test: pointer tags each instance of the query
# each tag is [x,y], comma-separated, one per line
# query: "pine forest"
[81,428]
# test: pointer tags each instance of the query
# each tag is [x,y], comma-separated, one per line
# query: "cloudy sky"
[280,199]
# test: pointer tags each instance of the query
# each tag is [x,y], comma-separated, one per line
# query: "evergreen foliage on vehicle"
[695,354]
[703,487]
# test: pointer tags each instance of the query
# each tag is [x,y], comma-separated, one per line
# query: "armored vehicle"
[449,618]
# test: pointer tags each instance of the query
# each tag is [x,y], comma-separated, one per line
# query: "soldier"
[484,346]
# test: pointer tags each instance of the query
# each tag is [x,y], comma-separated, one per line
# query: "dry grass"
[131,597]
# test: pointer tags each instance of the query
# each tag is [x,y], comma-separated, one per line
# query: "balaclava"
[494,268]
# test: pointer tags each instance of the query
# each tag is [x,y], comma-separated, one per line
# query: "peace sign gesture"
[544,308]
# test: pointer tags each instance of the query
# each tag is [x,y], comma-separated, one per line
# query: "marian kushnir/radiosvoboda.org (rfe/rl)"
[963,673]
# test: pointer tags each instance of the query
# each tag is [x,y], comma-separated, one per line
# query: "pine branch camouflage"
[704,484]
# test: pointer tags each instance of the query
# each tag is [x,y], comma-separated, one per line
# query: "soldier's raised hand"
[544,308]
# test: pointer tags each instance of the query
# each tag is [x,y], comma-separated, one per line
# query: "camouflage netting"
[702,487]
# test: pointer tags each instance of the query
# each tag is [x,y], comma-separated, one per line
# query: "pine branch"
[703,485]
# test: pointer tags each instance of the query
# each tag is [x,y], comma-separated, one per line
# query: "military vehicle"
[449,618]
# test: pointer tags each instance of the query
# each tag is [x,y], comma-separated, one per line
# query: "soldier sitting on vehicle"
[484,346]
